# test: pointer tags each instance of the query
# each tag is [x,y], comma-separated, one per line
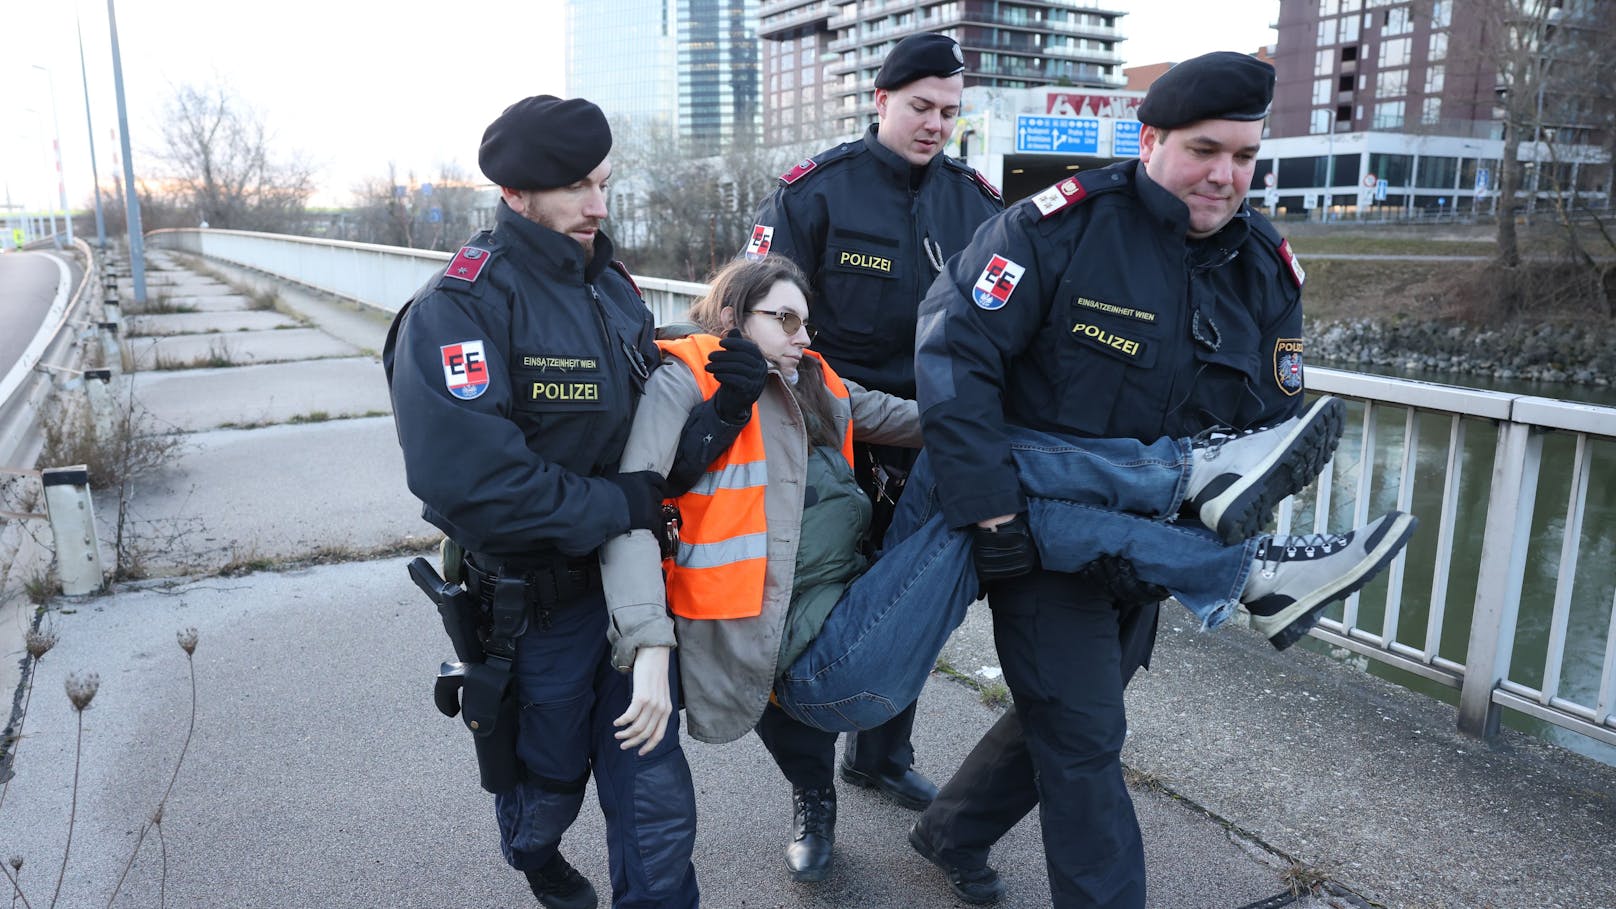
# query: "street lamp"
[56,144]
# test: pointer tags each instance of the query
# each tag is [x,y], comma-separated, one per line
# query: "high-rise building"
[1349,65]
[1422,104]
[820,57]
[1435,67]
[690,66]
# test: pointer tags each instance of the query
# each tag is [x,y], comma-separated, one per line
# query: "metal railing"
[26,380]
[1412,450]
[1480,648]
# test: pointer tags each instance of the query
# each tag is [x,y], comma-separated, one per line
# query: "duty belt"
[515,589]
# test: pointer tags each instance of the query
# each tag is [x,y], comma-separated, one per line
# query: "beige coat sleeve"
[883,419]
[631,564]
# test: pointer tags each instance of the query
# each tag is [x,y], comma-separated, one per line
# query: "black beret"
[543,142]
[1222,85]
[919,56]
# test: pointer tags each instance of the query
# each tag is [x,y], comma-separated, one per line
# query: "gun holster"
[478,687]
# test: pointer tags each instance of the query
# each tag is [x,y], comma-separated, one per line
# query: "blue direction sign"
[1125,139]
[1380,189]
[1481,179]
[1058,135]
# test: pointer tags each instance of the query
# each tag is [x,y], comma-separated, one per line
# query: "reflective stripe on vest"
[722,558]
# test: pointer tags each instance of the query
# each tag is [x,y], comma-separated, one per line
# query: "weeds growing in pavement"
[263,300]
[219,355]
[81,688]
[116,451]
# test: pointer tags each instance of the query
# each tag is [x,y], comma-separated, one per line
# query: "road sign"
[1369,180]
[1365,196]
[1380,190]
[1310,201]
[1482,180]
[1125,138]
[1058,135]
[1269,179]
[1270,198]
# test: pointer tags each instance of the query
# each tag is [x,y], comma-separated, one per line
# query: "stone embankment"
[1540,351]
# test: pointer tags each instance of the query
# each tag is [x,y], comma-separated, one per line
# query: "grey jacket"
[727,667]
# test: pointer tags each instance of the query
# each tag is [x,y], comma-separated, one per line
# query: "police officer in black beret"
[1143,299]
[871,223]
[514,373]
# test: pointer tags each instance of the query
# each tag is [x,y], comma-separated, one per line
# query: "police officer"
[515,373]
[1143,299]
[871,223]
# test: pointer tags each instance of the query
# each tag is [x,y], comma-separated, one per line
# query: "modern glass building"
[688,65]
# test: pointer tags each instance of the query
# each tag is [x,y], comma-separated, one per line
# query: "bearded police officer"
[514,374]
[871,223]
[1142,300]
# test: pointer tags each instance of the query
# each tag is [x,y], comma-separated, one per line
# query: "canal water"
[1594,582]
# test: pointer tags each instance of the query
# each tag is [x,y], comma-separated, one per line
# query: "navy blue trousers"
[569,695]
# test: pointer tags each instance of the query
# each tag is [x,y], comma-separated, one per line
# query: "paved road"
[28,284]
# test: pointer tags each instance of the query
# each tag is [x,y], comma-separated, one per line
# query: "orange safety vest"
[723,552]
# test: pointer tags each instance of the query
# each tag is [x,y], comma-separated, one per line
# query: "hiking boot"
[558,885]
[813,833]
[1238,478]
[1293,578]
[973,885]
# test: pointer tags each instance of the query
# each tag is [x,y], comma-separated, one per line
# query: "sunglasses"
[789,321]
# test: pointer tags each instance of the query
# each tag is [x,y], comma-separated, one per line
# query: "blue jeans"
[1086,498]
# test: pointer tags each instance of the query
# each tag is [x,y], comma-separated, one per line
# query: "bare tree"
[683,216]
[1553,75]
[216,151]
[437,214]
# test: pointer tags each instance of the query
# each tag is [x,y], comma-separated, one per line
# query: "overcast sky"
[353,85]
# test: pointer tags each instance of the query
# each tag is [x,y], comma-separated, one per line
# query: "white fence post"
[72,519]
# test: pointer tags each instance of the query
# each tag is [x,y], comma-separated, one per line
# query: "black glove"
[1006,551]
[1117,575]
[643,490]
[740,370]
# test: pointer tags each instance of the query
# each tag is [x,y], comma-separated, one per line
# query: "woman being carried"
[774,605]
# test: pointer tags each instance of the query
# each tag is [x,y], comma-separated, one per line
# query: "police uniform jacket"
[514,376]
[850,220]
[727,666]
[1086,310]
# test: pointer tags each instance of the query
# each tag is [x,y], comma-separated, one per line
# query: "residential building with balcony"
[820,57]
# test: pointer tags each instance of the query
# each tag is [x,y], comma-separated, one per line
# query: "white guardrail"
[1416,434]
[22,383]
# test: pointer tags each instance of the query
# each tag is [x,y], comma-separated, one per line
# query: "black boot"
[558,885]
[813,832]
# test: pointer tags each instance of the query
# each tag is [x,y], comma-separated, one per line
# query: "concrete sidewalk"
[319,772]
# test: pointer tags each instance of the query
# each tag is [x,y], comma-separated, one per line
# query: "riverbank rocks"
[1583,353]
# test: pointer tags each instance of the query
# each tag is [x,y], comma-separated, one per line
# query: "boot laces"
[1307,546]
[815,807]
[1209,442]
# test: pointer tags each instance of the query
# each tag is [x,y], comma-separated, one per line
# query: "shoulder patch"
[468,264]
[622,269]
[761,240]
[987,187]
[818,162]
[1293,264]
[1066,192]
[797,173]
[976,176]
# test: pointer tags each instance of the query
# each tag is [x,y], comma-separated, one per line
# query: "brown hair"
[739,286]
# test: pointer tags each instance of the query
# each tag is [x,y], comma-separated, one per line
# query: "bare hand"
[646,720]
